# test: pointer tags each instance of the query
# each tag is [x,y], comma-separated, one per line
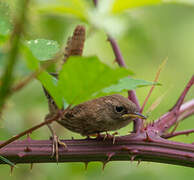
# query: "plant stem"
[28,131]
[185,132]
[171,118]
[124,149]
[7,78]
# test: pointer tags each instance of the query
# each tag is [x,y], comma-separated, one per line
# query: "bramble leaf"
[43,49]
[82,77]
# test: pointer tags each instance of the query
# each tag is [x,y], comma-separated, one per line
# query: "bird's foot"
[110,136]
[56,142]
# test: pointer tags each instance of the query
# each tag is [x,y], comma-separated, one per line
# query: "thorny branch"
[126,148]
[169,119]
[149,144]
[131,94]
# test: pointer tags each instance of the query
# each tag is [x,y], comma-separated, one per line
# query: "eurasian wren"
[100,115]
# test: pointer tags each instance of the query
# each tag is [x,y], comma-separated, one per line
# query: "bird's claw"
[55,146]
[110,136]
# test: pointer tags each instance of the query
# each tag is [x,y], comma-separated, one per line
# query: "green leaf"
[76,8]
[31,61]
[121,5]
[127,84]
[50,84]
[43,49]
[81,77]
[5,25]
[7,161]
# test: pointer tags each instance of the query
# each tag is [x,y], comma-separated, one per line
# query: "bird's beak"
[134,115]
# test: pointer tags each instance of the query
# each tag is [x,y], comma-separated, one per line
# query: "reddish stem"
[28,131]
[138,123]
[170,118]
[125,148]
[131,94]
[185,132]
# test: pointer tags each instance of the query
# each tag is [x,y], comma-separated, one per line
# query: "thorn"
[21,154]
[31,166]
[28,136]
[110,155]
[27,149]
[138,162]
[188,156]
[148,139]
[11,170]
[86,165]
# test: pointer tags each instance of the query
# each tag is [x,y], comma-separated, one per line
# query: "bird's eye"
[119,108]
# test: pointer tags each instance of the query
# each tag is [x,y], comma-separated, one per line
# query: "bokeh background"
[152,34]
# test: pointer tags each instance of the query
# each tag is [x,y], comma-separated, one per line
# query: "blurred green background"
[151,34]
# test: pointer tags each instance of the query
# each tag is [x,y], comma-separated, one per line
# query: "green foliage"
[75,8]
[5,25]
[31,61]
[81,77]
[43,49]
[119,5]
[7,161]
[127,83]
[50,84]
[164,36]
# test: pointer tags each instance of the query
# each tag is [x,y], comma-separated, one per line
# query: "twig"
[28,131]
[7,77]
[181,98]
[153,86]
[186,110]
[117,52]
[185,132]
[29,78]
[131,94]
[95,2]
[138,123]
[171,117]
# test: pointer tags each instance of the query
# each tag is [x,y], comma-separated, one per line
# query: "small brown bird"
[100,115]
